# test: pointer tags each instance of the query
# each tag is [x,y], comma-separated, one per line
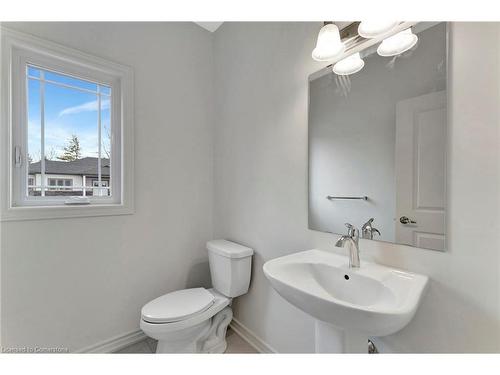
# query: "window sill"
[64,212]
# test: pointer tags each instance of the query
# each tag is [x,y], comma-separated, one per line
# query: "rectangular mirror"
[377,145]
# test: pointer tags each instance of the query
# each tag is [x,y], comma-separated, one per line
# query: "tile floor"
[235,345]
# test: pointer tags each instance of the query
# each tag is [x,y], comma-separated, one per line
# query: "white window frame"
[19,49]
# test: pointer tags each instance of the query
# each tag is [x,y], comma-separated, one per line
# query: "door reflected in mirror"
[377,145]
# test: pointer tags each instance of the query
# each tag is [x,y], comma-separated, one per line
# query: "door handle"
[405,220]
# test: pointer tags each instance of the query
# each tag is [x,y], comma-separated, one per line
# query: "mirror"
[377,145]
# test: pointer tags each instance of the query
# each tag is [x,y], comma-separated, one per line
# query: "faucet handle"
[368,230]
[351,230]
[368,223]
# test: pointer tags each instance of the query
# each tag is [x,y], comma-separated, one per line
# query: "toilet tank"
[230,267]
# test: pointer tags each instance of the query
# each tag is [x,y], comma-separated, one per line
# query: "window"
[100,188]
[69,122]
[96,183]
[59,185]
[71,131]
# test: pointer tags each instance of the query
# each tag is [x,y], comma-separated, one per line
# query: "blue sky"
[68,111]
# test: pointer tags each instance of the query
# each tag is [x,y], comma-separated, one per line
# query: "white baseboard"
[251,338]
[119,342]
[115,344]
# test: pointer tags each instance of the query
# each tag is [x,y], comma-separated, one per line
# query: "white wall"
[261,72]
[76,282]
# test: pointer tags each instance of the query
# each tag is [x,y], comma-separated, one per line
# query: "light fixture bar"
[349,32]
[357,43]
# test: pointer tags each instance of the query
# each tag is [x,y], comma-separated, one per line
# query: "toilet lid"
[178,305]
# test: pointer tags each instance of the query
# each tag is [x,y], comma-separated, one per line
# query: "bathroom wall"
[260,174]
[77,282]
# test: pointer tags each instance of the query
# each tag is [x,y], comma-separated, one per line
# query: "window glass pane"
[67,80]
[71,136]
[34,133]
[105,90]
[33,72]
[105,145]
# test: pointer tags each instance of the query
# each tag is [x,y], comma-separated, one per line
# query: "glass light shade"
[372,29]
[329,45]
[350,65]
[398,43]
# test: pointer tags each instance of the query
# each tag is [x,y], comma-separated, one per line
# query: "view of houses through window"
[69,123]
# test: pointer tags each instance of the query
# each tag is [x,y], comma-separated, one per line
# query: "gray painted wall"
[261,72]
[76,282]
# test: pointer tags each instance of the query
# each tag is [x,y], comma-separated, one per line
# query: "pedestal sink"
[349,304]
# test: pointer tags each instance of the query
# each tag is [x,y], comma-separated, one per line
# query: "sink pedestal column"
[330,339]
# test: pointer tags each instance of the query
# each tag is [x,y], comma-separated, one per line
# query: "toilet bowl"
[201,331]
[195,320]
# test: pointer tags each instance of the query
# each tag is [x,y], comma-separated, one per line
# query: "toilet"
[195,320]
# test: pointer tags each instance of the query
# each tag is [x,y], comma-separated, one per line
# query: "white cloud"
[85,107]
[57,136]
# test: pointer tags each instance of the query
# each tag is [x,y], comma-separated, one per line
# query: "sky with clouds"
[68,112]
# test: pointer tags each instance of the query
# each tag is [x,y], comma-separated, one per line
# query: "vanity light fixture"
[328,46]
[398,43]
[350,65]
[373,29]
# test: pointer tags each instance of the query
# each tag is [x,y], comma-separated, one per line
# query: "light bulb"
[350,65]
[398,43]
[372,29]
[329,46]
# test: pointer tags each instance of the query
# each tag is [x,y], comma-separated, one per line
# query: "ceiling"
[210,26]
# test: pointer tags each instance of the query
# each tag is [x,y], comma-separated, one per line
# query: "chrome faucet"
[368,230]
[352,238]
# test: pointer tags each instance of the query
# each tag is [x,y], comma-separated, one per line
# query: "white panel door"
[421,171]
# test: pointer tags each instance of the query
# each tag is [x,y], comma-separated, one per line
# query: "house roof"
[85,166]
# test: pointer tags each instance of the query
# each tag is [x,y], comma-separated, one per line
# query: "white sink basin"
[372,300]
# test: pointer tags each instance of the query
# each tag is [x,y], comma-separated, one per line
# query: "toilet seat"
[220,302]
[177,306]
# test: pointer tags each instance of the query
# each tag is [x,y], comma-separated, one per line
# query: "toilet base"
[206,337]
[215,341]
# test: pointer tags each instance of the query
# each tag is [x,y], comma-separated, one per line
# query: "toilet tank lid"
[229,249]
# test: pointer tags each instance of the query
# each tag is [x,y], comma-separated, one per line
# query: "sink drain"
[372,349]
